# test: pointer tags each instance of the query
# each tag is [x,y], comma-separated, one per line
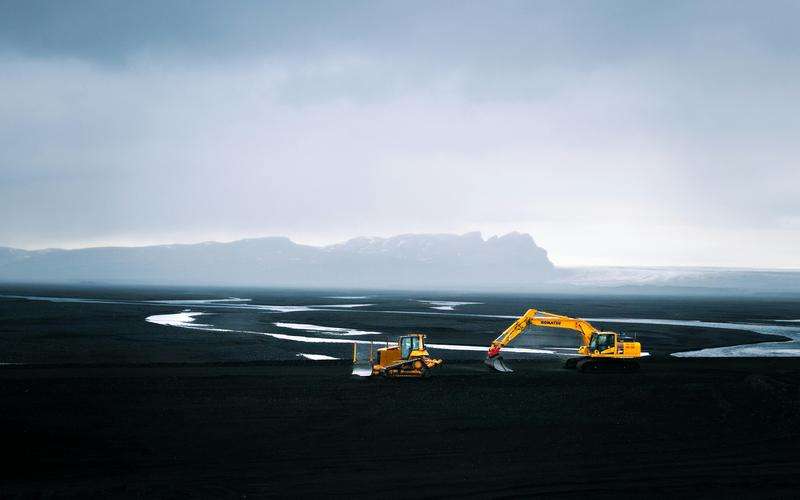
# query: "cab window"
[406,345]
[601,342]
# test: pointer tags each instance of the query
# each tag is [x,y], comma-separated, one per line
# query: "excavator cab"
[611,345]
[607,351]
[602,342]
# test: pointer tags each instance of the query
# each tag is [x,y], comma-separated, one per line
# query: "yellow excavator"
[598,350]
[408,358]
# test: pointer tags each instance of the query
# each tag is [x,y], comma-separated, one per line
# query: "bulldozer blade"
[498,364]
[362,370]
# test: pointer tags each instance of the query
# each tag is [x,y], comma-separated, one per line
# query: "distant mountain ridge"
[410,260]
[512,262]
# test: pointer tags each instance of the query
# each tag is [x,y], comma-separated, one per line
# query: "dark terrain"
[680,427]
[97,402]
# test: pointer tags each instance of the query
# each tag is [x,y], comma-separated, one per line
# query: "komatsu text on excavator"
[598,350]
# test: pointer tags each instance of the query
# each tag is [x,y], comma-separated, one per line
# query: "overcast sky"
[618,133]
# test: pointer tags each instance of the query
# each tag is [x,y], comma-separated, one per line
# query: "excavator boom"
[534,317]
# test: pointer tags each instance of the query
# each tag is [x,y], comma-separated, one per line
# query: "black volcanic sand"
[680,427]
[106,404]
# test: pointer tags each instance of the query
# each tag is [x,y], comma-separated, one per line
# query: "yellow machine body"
[408,358]
[596,346]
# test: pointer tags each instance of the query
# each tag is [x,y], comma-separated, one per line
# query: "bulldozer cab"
[409,344]
[603,341]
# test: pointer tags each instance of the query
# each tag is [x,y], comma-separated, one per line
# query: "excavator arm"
[534,317]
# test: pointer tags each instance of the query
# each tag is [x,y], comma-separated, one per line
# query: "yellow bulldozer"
[408,358]
[599,351]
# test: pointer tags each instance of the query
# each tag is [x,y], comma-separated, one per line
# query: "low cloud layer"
[615,133]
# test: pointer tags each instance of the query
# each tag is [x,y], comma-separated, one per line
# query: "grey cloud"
[500,32]
[184,121]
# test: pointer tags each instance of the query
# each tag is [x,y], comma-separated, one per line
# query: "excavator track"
[607,365]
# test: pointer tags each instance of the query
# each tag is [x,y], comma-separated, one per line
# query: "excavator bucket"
[497,363]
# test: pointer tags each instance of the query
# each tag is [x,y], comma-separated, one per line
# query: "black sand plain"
[692,428]
[114,407]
